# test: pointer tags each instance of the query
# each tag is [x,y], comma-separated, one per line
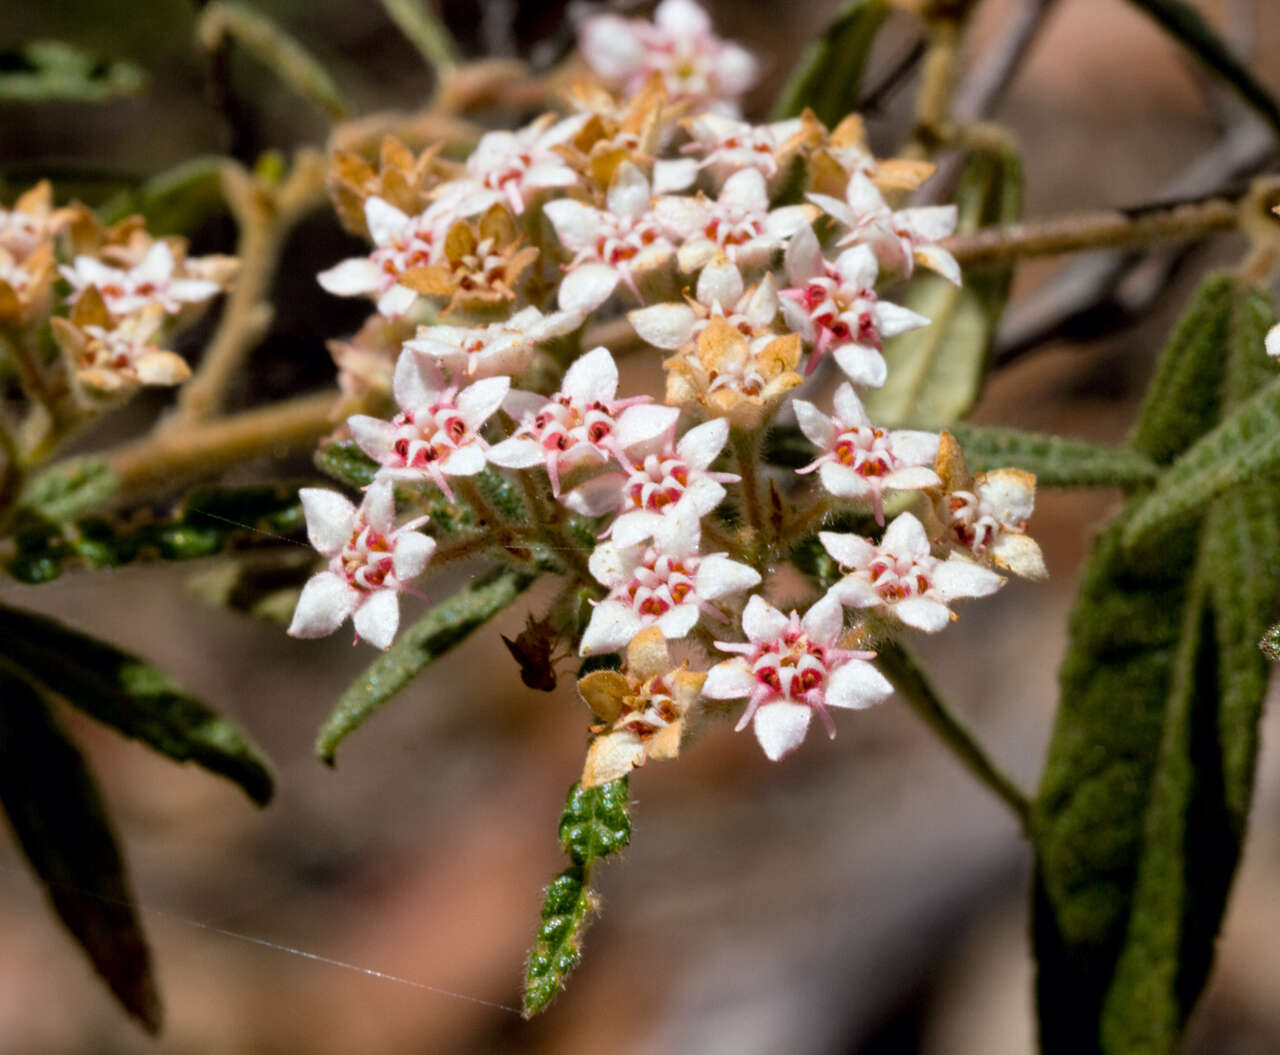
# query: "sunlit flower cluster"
[749,261]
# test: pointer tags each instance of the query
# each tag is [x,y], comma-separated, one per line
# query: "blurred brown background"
[862,897]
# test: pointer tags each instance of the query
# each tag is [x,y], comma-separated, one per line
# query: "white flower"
[612,246]
[512,167]
[436,433]
[719,292]
[729,145]
[582,423]
[666,583]
[738,224]
[129,290]
[696,66]
[661,483]
[836,308]
[496,348]
[900,239]
[370,561]
[901,577]
[401,243]
[791,668]
[858,459]
[1273,342]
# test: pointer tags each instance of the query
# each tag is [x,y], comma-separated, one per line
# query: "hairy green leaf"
[275,48]
[346,463]
[446,624]
[53,71]
[558,944]
[1186,25]
[936,372]
[70,489]
[133,697]
[1057,461]
[58,816]
[828,75]
[595,822]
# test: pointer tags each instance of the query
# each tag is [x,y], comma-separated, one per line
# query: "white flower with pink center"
[900,239]
[370,562]
[720,291]
[675,479]
[666,583]
[901,578]
[584,422]
[738,224]
[791,667]
[860,460]
[611,246]
[696,66]
[497,348]
[836,308]
[401,243]
[728,145]
[512,168]
[126,291]
[436,434]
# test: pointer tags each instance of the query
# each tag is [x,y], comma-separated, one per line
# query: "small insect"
[534,649]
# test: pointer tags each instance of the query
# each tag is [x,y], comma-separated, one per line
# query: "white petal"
[611,46]
[804,256]
[931,223]
[730,680]
[477,402]
[849,551]
[465,461]
[330,519]
[761,621]
[681,216]
[351,277]
[736,69]
[784,222]
[378,509]
[412,554]
[631,529]
[893,319]
[378,618]
[611,564]
[834,208]
[683,20]
[599,495]
[861,365]
[701,496]
[939,260]
[592,377]
[905,537]
[719,576]
[696,253]
[849,407]
[843,482]
[575,224]
[1021,555]
[922,613]
[1273,342]
[857,684]
[327,599]
[586,287]
[912,478]
[853,591]
[516,454]
[720,283]
[415,380]
[671,176]
[745,190]
[918,448]
[677,622]
[629,193]
[667,326]
[824,620]
[957,577]
[815,425]
[396,301]
[780,727]
[1010,492]
[612,626]
[645,424]
[372,435]
[857,267]
[384,220]
[701,445]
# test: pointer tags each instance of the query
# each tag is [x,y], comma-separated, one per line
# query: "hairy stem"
[901,668]
[746,448]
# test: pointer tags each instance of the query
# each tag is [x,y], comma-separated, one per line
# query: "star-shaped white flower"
[370,561]
[901,578]
[836,308]
[666,583]
[401,243]
[437,432]
[613,245]
[720,291]
[495,348]
[151,281]
[514,167]
[738,224]
[728,145]
[790,668]
[859,460]
[900,239]
[584,422]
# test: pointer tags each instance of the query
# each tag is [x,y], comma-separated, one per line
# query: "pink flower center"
[366,560]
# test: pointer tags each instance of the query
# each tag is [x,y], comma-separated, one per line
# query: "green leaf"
[595,822]
[936,372]
[70,489]
[419,24]
[558,943]
[47,71]
[1057,461]
[275,48]
[58,816]
[446,624]
[828,75]
[346,463]
[175,201]
[133,697]
[1186,25]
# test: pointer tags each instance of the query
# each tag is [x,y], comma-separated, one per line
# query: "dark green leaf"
[59,819]
[936,372]
[1057,461]
[52,71]
[595,821]
[558,944]
[347,463]
[131,696]
[70,489]
[1186,25]
[829,74]
[445,625]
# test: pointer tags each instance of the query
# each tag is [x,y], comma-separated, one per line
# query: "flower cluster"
[660,203]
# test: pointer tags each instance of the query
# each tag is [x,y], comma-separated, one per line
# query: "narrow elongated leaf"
[131,696]
[1186,25]
[347,463]
[47,71]
[829,74]
[445,625]
[595,823]
[54,808]
[936,372]
[416,20]
[1057,461]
